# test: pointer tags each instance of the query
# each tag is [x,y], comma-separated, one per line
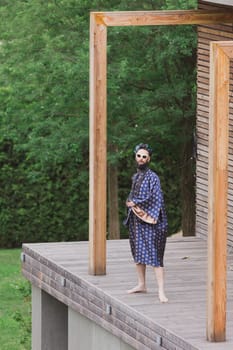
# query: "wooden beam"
[154,18]
[97,168]
[220,54]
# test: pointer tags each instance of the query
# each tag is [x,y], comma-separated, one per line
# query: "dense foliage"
[44,72]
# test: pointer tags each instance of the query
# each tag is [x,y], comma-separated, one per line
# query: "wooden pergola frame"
[99,21]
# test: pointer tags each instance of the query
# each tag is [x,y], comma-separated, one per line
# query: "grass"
[15,306]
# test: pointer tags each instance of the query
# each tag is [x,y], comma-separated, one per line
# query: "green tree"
[44,121]
[44,69]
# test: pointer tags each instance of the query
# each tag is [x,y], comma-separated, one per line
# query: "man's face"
[142,157]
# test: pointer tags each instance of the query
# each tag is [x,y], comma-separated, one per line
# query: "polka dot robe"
[147,241]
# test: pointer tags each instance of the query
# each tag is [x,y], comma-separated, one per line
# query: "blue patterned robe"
[147,241]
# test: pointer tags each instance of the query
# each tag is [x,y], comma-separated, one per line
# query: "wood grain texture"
[98,148]
[220,54]
[152,18]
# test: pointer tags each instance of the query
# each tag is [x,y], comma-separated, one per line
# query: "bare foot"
[162,297]
[137,289]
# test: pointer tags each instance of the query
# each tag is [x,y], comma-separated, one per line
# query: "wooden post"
[97,169]
[218,188]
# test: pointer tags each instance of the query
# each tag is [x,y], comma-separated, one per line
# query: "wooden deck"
[139,319]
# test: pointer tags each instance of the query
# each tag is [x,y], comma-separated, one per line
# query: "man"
[147,222]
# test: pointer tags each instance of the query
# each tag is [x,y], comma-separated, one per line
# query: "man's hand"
[130,204]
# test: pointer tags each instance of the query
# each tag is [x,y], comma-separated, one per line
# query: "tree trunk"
[113,209]
[188,189]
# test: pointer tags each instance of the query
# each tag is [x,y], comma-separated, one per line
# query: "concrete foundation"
[49,322]
[58,327]
[84,334]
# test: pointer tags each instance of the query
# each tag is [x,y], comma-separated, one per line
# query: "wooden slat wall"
[207,33]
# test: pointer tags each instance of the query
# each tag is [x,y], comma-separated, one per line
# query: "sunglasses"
[143,156]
